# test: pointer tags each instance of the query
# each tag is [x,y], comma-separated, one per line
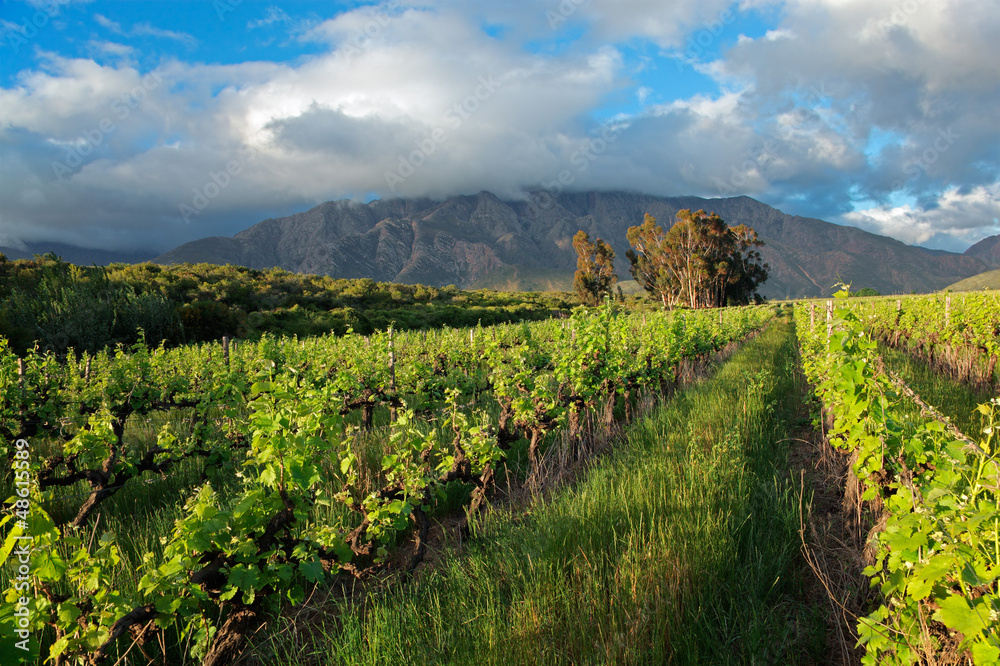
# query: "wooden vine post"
[392,376]
[829,319]
[225,350]
[947,311]
[812,316]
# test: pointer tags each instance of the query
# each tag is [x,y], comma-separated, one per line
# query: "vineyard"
[168,503]
[929,493]
[958,333]
[288,461]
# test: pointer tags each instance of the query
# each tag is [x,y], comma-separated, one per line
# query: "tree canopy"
[701,262]
[595,272]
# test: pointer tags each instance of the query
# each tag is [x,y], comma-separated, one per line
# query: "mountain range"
[481,240]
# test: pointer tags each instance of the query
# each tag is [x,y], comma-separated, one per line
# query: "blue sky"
[145,124]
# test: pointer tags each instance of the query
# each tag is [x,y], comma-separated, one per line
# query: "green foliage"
[304,504]
[938,556]
[62,307]
[699,262]
[679,546]
[595,271]
[961,331]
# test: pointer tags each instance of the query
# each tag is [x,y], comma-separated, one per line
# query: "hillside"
[987,251]
[482,241]
[187,303]
[987,280]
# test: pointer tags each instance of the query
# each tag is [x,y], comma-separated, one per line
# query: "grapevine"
[285,416]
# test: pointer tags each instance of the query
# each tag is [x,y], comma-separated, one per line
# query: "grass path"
[681,547]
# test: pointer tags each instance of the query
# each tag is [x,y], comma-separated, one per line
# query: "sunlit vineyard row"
[287,461]
[929,493]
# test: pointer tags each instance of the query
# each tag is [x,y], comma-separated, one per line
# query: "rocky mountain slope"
[481,240]
[987,251]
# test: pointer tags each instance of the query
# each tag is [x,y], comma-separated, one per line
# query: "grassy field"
[682,547]
[987,280]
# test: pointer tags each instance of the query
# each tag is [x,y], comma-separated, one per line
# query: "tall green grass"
[954,399]
[682,547]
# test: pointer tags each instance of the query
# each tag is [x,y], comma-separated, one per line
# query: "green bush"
[210,320]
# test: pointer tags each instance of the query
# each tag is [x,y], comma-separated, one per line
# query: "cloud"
[273,15]
[112,49]
[861,112]
[893,66]
[953,220]
[667,24]
[146,30]
[105,22]
[824,86]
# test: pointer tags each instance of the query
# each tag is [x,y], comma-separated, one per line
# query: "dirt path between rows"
[834,532]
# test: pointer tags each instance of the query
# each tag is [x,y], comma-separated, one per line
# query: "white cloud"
[330,126]
[113,49]
[272,16]
[105,22]
[145,30]
[954,220]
